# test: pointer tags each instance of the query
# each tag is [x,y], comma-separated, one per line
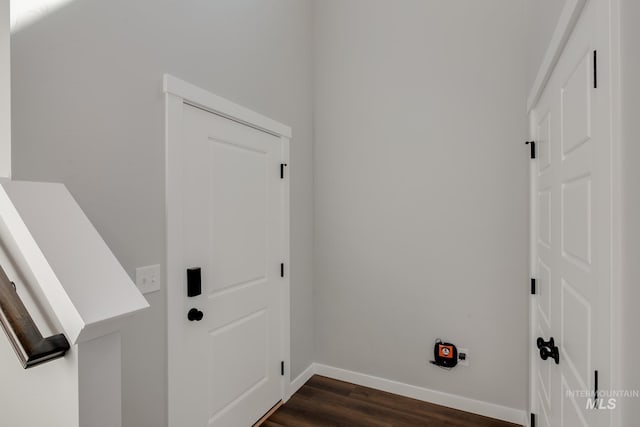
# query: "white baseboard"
[300,380]
[479,407]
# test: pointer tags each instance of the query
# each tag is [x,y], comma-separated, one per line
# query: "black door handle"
[195,314]
[548,349]
[542,343]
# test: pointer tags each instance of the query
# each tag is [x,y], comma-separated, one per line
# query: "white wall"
[421,175]
[630,34]
[422,191]
[89,112]
[542,18]
[80,390]
[5,92]
[53,387]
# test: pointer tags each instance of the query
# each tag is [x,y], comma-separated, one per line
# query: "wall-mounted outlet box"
[148,278]
[463,357]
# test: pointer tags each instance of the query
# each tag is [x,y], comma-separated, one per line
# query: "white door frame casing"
[179,93]
[609,50]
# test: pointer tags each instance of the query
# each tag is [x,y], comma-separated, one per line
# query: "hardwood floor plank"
[335,413]
[294,416]
[325,402]
[329,384]
[385,414]
[420,408]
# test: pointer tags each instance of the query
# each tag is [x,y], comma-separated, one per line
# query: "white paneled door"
[228,344]
[572,241]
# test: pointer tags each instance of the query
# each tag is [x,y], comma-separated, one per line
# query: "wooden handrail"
[25,337]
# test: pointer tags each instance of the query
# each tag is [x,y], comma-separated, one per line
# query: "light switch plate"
[148,278]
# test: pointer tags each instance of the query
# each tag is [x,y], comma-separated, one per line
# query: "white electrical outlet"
[148,278]
[463,357]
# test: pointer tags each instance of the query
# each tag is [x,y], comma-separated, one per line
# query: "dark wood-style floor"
[326,402]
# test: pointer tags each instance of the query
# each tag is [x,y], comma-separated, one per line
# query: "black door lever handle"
[542,343]
[195,314]
[548,349]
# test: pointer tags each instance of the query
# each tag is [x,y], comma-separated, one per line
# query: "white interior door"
[572,222]
[225,368]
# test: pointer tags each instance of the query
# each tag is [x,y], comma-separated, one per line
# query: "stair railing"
[30,346]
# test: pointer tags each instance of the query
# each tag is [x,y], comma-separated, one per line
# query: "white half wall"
[421,184]
[45,395]
[100,382]
[80,390]
[89,112]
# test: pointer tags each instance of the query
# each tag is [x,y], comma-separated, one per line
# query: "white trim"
[566,23]
[533,254]
[286,258]
[300,380]
[461,403]
[216,104]
[617,205]
[173,130]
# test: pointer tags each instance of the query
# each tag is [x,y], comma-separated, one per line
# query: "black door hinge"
[595,388]
[595,69]
[533,420]
[282,166]
[533,148]
[282,269]
[533,286]
[282,368]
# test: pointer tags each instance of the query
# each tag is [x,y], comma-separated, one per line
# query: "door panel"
[572,187]
[544,217]
[543,418]
[239,214]
[544,292]
[576,105]
[576,221]
[232,223]
[242,342]
[543,142]
[571,412]
[576,333]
